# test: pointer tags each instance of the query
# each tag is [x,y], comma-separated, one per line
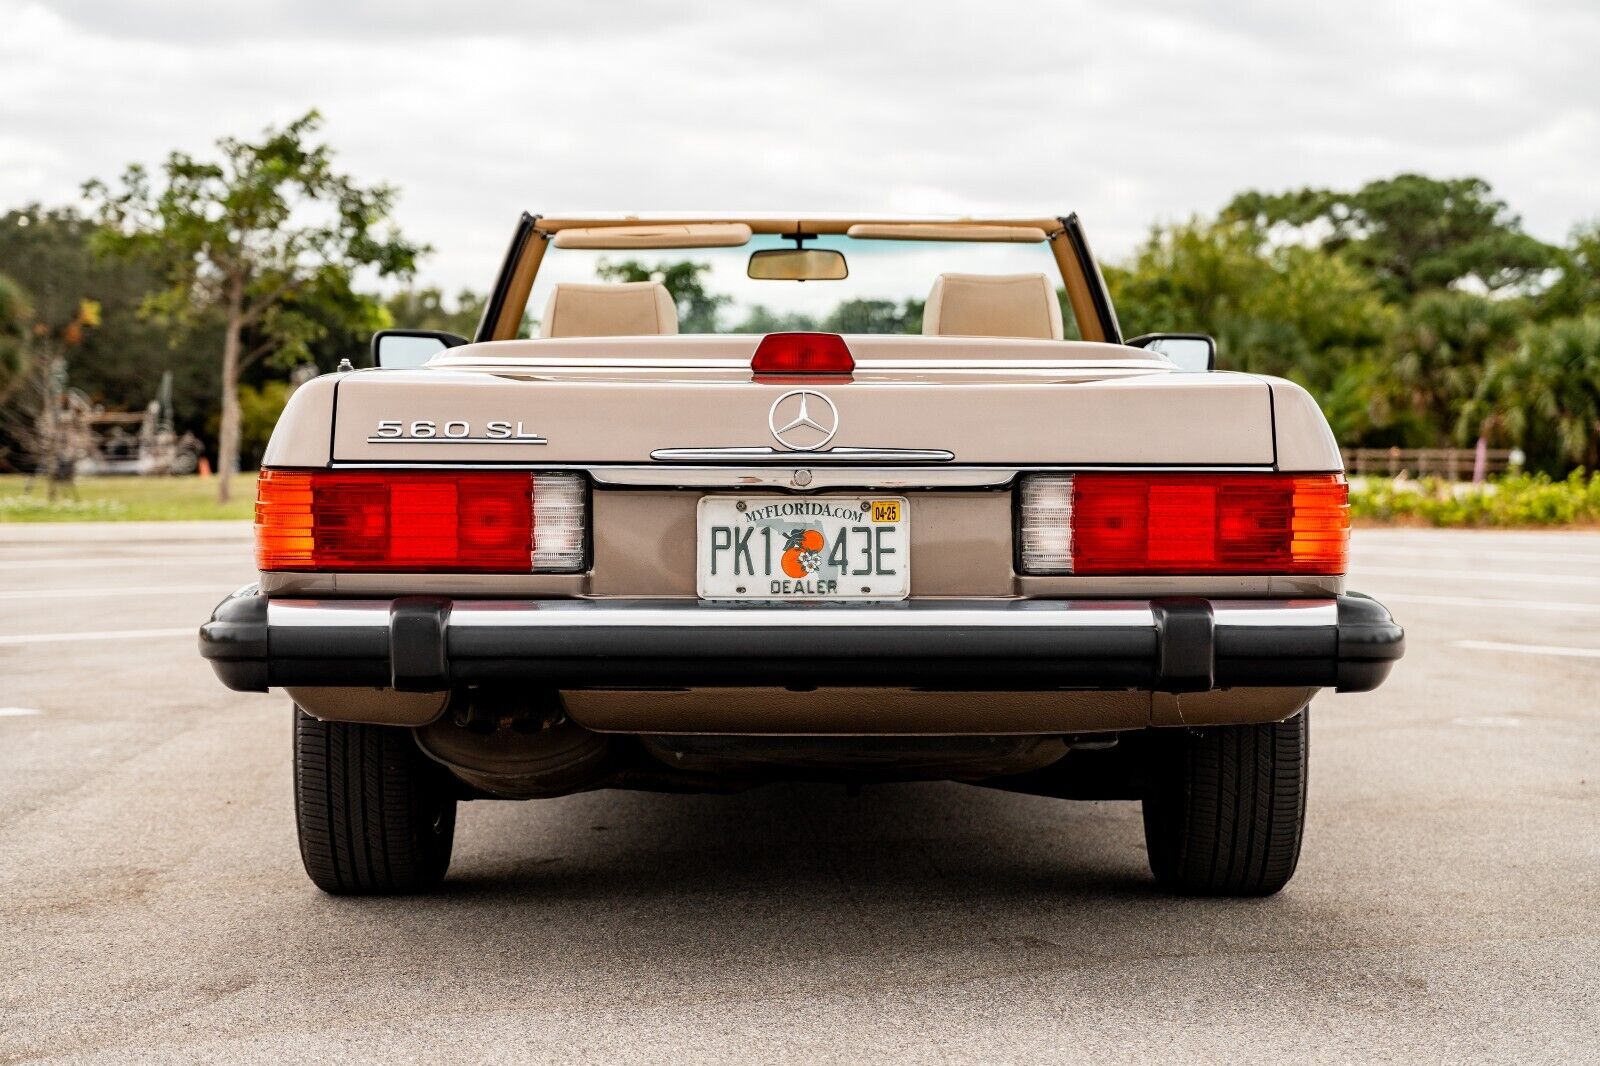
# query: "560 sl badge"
[395,431]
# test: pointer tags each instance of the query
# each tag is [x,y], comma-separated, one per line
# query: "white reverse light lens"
[560,519]
[1045,529]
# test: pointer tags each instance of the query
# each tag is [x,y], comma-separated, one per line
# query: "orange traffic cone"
[205,467]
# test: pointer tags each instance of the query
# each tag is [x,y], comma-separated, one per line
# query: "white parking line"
[19,712]
[1359,549]
[1475,601]
[101,634]
[111,590]
[166,559]
[1359,571]
[1530,649]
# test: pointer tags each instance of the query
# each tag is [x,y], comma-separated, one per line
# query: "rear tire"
[376,816]
[1226,806]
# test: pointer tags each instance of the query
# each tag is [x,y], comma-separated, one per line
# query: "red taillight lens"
[1186,524]
[478,521]
[802,353]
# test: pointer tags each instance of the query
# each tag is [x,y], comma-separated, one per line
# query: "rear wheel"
[1226,806]
[375,815]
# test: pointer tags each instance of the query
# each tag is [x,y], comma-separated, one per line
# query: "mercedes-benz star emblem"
[802,420]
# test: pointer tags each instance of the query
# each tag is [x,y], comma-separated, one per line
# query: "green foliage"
[1516,500]
[1434,362]
[761,320]
[1576,289]
[425,309]
[1544,396]
[259,409]
[1410,233]
[16,315]
[875,316]
[851,316]
[697,308]
[117,360]
[269,236]
[1288,311]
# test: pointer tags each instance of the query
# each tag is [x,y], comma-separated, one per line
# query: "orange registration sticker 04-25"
[885,511]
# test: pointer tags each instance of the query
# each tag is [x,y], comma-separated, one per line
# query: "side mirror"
[1190,351]
[400,348]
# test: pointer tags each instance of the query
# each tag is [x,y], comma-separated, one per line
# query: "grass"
[125,499]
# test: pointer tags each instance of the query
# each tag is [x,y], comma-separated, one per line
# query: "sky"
[1129,113]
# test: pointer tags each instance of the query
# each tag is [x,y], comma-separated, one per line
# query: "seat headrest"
[625,309]
[992,305]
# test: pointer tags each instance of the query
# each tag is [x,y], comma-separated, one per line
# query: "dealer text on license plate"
[810,548]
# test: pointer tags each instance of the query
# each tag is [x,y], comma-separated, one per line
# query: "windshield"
[885,291]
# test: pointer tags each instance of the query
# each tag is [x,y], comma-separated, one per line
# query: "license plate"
[803,548]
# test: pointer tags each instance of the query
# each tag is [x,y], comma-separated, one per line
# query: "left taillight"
[490,521]
[1179,523]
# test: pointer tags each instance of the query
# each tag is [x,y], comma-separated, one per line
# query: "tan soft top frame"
[1086,289]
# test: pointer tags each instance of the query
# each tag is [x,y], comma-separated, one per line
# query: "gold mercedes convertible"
[708,503]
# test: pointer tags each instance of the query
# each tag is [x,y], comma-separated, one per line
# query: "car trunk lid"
[695,399]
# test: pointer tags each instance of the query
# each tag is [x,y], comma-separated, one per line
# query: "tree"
[264,235]
[425,309]
[15,317]
[1576,289]
[697,308]
[1289,310]
[875,316]
[1411,233]
[86,325]
[760,319]
[1545,395]
[1435,360]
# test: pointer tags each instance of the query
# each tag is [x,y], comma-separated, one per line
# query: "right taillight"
[460,521]
[1107,523]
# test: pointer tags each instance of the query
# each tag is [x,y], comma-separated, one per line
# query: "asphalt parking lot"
[152,904]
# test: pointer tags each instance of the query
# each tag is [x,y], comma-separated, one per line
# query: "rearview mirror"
[798,264]
[1190,351]
[400,348]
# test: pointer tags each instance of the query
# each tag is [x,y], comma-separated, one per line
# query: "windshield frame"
[1087,296]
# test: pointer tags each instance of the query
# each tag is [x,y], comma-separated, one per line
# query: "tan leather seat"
[992,305]
[625,309]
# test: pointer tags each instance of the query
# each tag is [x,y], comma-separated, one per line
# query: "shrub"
[1512,500]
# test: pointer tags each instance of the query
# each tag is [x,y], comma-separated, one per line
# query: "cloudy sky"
[1126,112]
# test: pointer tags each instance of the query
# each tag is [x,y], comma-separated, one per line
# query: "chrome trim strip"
[458,440]
[820,478]
[1059,614]
[616,471]
[802,458]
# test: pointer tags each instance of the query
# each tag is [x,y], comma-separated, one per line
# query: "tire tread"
[1225,812]
[375,816]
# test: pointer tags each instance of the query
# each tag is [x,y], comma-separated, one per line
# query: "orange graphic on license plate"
[802,552]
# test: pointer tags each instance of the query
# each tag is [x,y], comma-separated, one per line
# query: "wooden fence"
[1455,464]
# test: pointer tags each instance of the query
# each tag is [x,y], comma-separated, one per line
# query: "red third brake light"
[802,353]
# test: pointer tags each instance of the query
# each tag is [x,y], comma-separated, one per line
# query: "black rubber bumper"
[423,644]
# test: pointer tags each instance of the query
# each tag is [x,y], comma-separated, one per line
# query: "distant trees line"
[1417,310]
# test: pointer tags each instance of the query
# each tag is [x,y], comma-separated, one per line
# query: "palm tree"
[1545,396]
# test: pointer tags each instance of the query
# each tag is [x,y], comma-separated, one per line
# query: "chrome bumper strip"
[916,614]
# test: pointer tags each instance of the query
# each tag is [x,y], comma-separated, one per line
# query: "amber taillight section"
[1104,523]
[500,521]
